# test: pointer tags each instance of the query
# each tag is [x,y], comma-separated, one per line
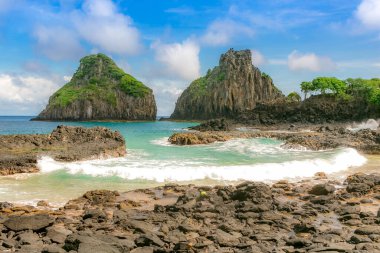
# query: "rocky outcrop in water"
[309,216]
[100,90]
[230,88]
[19,153]
[366,141]
[213,125]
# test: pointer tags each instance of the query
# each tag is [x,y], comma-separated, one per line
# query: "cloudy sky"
[167,44]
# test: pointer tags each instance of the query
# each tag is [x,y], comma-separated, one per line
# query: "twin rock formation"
[99,90]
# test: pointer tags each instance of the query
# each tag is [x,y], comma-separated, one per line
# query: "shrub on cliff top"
[293,97]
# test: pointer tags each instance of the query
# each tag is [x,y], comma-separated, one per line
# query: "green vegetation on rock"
[293,97]
[351,88]
[98,77]
[198,86]
[265,75]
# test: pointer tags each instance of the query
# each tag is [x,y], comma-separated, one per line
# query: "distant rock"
[230,88]
[100,90]
[213,125]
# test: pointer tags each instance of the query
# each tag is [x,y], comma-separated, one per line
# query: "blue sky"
[167,44]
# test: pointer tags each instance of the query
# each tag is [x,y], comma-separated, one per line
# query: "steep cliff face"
[100,90]
[230,88]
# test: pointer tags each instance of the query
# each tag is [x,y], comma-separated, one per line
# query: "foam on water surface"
[132,167]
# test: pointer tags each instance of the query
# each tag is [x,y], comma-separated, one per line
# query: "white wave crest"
[256,146]
[369,124]
[164,141]
[188,170]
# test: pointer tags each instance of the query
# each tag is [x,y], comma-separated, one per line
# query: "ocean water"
[151,161]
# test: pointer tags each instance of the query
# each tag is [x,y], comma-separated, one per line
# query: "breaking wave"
[132,168]
[369,124]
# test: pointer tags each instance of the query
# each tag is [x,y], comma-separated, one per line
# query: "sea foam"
[369,124]
[188,170]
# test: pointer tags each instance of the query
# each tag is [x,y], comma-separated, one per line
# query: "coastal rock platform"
[316,215]
[19,153]
[321,138]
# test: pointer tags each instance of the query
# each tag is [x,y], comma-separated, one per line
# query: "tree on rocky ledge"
[332,84]
[293,97]
[306,87]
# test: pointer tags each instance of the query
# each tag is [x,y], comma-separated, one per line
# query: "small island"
[100,90]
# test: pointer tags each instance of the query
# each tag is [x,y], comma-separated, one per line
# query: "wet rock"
[320,175]
[5,205]
[256,192]
[359,239]
[360,188]
[149,240]
[42,203]
[95,247]
[367,230]
[58,234]
[298,242]
[213,125]
[94,214]
[8,243]
[143,250]
[32,222]
[371,179]
[366,201]
[225,239]
[101,197]
[28,238]
[52,248]
[322,189]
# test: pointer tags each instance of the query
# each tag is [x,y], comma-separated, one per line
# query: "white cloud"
[180,59]
[368,13]
[103,26]
[26,94]
[101,8]
[257,58]
[58,43]
[67,78]
[166,93]
[310,62]
[222,32]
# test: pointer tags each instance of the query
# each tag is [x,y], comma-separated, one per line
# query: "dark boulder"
[32,222]
[322,189]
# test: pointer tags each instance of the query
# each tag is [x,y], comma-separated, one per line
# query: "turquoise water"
[152,161]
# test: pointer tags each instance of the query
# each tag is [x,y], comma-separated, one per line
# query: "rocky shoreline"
[316,215]
[19,153]
[314,137]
